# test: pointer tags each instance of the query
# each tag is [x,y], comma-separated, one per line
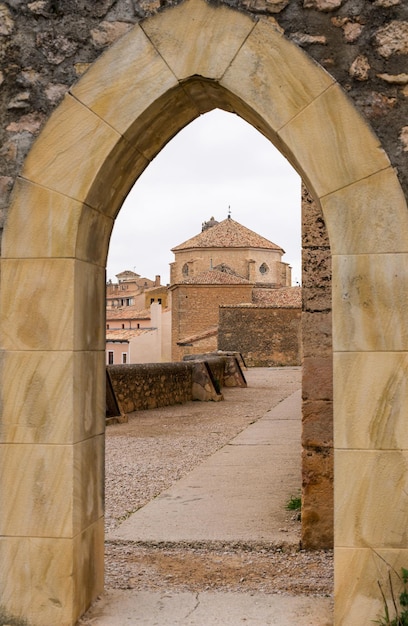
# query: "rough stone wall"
[265,336]
[195,308]
[46,45]
[151,385]
[317,380]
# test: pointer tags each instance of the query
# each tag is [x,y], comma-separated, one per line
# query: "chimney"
[157,280]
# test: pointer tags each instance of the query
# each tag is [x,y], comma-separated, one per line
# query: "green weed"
[400,606]
[294,503]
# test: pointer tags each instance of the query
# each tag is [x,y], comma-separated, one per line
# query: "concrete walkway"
[238,494]
[124,608]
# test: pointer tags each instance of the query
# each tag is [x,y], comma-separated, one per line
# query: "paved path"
[122,608]
[238,494]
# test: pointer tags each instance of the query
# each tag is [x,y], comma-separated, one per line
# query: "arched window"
[264,269]
[185,269]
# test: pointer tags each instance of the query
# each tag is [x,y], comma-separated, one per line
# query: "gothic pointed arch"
[157,78]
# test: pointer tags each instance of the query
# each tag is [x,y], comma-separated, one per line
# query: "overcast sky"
[216,162]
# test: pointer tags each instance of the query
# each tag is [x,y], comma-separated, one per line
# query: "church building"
[225,264]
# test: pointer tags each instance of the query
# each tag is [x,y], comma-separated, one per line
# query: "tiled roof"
[127,313]
[215,277]
[281,297]
[125,334]
[227,234]
[116,294]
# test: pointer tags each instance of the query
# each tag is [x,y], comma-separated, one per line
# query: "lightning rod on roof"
[229,212]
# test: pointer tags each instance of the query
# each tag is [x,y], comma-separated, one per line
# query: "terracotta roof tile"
[127,313]
[215,277]
[227,234]
[125,334]
[122,293]
[281,297]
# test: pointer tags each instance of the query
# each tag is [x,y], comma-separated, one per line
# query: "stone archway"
[131,102]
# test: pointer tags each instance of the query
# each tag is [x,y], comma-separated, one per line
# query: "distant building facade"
[129,290]
[225,264]
[229,290]
[267,332]
[138,321]
[229,247]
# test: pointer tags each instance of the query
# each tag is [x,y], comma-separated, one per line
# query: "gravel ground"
[155,449]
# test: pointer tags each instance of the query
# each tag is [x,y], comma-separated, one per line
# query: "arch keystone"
[214,36]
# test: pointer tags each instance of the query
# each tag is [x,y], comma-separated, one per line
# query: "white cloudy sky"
[216,162]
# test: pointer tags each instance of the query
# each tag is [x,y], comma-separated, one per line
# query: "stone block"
[117,174]
[317,334]
[371,507]
[317,299]
[40,479]
[161,121]
[317,498]
[372,414]
[50,397]
[332,164]
[78,230]
[88,483]
[41,589]
[70,161]
[57,489]
[317,378]
[66,575]
[373,200]
[316,269]
[88,566]
[215,35]
[89,316]
[370,300]
[314,231]
[204,386]
[317,424]
[43,207]
[357,572]
[46,323]
[258,68]
[65,309]
[94,231]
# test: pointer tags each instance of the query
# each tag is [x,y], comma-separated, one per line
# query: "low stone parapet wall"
[265,336]
[141,386]
[226,367]
[215,363]
[151,385]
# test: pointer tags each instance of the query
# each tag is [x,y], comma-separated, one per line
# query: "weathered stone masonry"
[150,385]
[46,45]
[317,380]
[244,326]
